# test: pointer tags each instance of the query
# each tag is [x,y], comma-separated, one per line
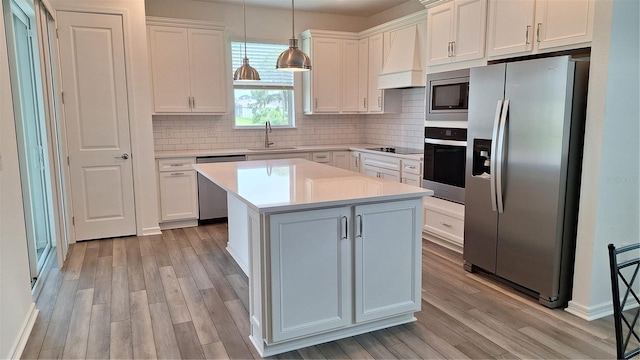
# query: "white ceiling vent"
[402,68]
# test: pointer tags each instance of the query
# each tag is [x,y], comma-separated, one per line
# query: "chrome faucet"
[267,130]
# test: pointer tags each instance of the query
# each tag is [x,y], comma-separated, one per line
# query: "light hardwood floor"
[180,295]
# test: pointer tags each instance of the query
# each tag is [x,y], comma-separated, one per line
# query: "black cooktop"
[396,150]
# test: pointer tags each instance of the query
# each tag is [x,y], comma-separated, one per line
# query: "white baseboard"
[151,231]
[178,224]
[451,245]
[590,313]
[25,331]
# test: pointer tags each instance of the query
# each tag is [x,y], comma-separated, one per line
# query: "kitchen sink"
[275,148]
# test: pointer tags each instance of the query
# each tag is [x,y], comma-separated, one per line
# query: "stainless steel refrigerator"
[524,151]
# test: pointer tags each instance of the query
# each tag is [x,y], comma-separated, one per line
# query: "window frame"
[257,85]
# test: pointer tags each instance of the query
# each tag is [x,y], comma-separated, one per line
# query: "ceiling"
[364,8]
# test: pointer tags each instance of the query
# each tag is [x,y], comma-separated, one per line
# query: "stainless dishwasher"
[212,199]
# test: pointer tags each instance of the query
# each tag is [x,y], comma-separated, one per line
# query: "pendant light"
[293,59]
[245,72]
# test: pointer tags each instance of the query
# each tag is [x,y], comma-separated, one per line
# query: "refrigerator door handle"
[494,152]
[501,151]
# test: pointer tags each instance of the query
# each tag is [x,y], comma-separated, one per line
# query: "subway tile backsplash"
[212,132]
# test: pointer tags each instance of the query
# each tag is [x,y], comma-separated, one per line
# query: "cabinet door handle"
[345,228]
[449,49]
[193,100]
[538,32]
[177,174]
[445,224]
[315,103]
[359,226]
[453,49]
[357,162]
[526,35]
[379,101]
[411,167]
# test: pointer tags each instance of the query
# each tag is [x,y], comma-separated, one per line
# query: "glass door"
[32,136]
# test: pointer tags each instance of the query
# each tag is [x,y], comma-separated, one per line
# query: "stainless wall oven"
[445,153]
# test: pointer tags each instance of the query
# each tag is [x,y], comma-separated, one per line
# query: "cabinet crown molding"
[404,21]
[199,24]
[329,33]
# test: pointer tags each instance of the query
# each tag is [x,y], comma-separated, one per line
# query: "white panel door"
[170,69]
[563,22]
[388,253]
[376,60]
[208,71]
[470,26]
[363,74]
[310,272]
[97,121]
[510,26]
[439,34]
[327,75]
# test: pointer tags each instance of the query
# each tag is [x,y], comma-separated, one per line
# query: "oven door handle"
[445,142]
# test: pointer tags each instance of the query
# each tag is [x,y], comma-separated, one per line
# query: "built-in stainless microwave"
[447,96]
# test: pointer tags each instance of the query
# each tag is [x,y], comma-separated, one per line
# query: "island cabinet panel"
[387,259]
[311,258]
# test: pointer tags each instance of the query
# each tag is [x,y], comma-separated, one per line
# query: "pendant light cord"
[244,19]
[293,22]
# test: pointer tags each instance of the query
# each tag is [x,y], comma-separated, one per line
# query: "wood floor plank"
[120,340]
[49,294]
[472,351]
[226,327]
[152,280]
[216,350]
[120,294]
[102,286]
[422,349]
[119,252]
[202,322]
[76,343]
[160,251]
[435,341]
[51,354]
[99,331]
[331,350]
[225,263]
[89,265]
[141,329]
[311,352]
[181,238]
[195,241]
[353,349]
[177,260]
[374,347]
[106,248]
[290,355]
[61,315]
[198,272]
[34,343]
[134,264]
[241,287]
[73,265]
[188,342]
[163,333]
[93,244]
[552,343]
[240,316]
[220,282]
[146,247]
[175,299]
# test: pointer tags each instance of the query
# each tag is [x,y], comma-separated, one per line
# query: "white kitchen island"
[329,253]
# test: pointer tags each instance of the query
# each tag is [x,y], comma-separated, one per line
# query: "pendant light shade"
[245,72]
[293,59]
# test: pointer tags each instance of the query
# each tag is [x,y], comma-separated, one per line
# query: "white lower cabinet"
[341,159]
[178,187]
[354,162]
[324,264]
[444,223]
[381,166]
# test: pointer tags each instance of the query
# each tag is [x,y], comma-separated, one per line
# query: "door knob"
[124,156]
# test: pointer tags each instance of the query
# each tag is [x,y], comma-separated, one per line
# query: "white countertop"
[297,184]
[276,150]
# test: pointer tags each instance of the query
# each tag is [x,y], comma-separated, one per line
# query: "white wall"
[15,290]
[138,85]
[609,202]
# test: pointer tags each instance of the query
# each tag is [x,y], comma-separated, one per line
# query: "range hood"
[402,67]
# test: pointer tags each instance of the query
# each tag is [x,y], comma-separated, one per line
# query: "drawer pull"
[445,224]
[176,165]
[177,174]
[321,157]
[411,167]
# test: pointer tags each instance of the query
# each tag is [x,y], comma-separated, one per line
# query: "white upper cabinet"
[363,74]
[456,31]
[188,67]
[530,26]
[376,60]
[350,75]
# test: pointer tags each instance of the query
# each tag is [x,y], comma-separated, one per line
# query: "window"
[271,98]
